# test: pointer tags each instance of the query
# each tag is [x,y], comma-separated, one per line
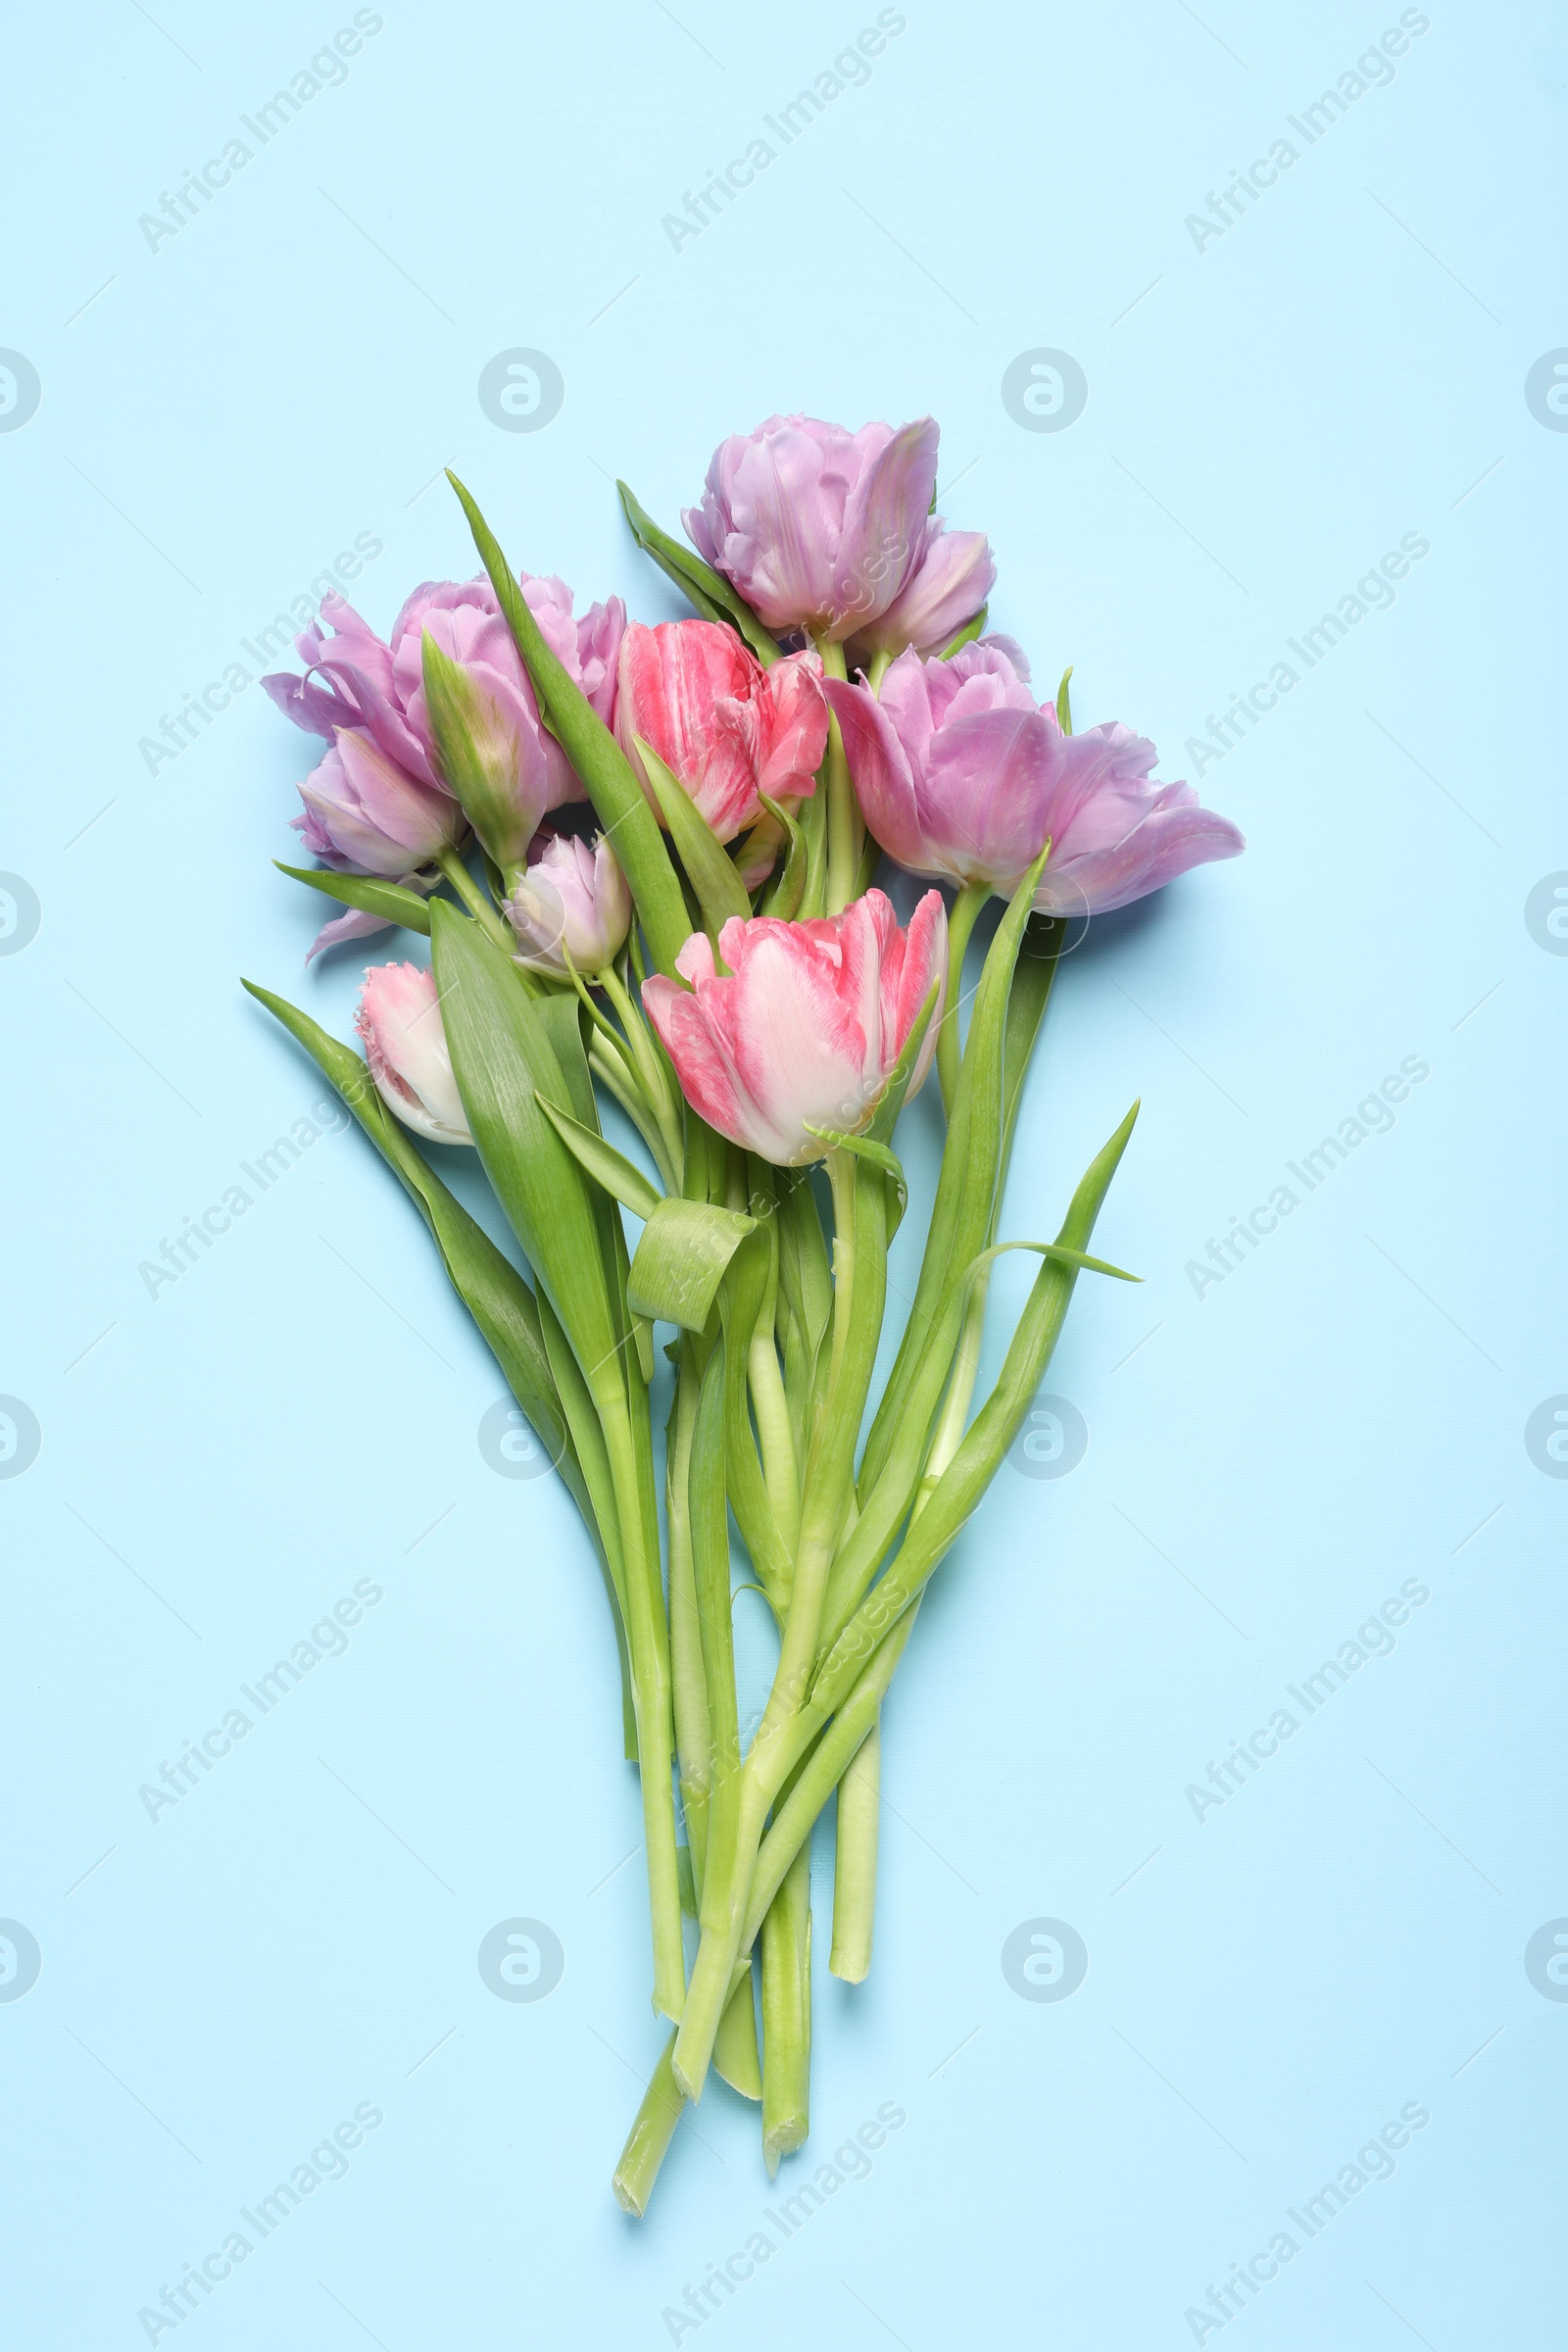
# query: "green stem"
[737,2060]
[859,1258]
[649,2137]
[787,2014]
[844,830]
[854,1863]
[475,900]
[652,1077]
[881,663]
[648,1639]
[694,1746]
[780,1473]
[961,922]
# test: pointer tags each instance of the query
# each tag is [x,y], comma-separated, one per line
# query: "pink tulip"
[831,532]
[569,900]
[406,1047]
[803,1029]
[725,726]
[961,775]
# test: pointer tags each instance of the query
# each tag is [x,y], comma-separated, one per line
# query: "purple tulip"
[831,532]
[354,679]
[961,775]
[571,903]
[349,682]
[364,815]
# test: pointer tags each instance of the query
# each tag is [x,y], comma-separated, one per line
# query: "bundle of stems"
[774,1281]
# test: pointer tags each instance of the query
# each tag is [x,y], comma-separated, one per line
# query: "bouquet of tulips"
[644,859]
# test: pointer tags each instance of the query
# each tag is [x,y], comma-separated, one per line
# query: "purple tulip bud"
[961,775]
[572,902]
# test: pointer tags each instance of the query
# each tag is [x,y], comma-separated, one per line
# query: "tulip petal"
[884,526]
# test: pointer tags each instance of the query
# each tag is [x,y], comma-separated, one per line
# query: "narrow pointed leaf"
[1065,701]
[980,1455]
[603,1163]
[489,1284]
[885,1117]
[390,900]
[610,782]
[789,887]
[965,636]
[720,892]
[503,1061]
[706,589]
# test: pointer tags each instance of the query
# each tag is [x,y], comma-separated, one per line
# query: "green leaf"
[885,1117]
[607,773]
[1062,1254]
[642,1332]
[1064,701]
[1032,978]
[960,1215]
[720,892]
[474,761]
[503,1061]
[965,636]
[603,1163]
[390,900]
[489,1284]
[705,588]
[980,1455]
[682,1258]
[789,887]
[878,1155]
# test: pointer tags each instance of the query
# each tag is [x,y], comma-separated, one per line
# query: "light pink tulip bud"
[405,1046]
[569,900]
[803,1029]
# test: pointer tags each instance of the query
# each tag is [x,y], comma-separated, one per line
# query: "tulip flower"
[963,776]
[572,902]
[349,682]
[831,531]
[805,1027]
[725,726]
[355,679]
[406,1047]
[364,815]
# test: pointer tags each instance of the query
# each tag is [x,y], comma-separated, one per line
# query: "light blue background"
[219,1465]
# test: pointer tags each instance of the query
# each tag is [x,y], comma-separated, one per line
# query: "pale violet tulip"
[830,532]
[365,814]
[960,775]
[571,903]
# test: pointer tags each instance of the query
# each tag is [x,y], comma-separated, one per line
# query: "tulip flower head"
[963,776]
[570,902]
[727,729]
[406,1047]
[357,679]
[365,814]
[805,1027]
[831,532]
